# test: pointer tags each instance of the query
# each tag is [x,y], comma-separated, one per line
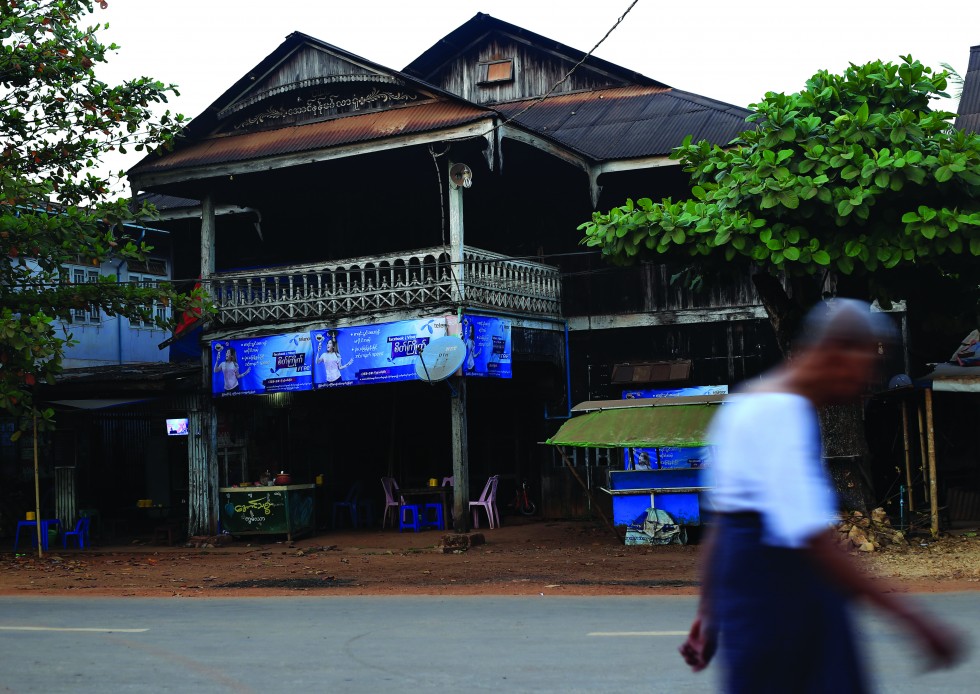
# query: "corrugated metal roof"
[463,37]
[680,426]
[629,122]
[316,136]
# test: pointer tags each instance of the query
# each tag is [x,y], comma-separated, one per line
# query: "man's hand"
[700,645]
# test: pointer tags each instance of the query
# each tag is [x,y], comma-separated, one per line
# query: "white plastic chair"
[390,487]
[449,481]
[488,500]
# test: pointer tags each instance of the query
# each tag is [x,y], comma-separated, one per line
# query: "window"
[157,309]
[495,71]
[83,275]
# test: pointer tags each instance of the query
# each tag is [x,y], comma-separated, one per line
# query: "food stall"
[279,509]
[669,424]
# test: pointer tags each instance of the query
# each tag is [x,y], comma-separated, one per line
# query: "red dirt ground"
[524,557]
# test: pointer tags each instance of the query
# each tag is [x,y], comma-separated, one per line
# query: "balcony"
[405,281]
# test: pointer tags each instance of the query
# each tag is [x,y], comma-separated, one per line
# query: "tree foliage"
[855,174]
[57,121]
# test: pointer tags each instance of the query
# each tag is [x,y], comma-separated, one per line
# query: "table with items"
[425,498]
[287,509]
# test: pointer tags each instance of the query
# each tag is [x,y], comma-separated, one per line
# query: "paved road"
[397,644]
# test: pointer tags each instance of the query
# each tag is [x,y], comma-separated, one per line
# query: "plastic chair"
[390,487]
[80,533]
[350,503]
[449,481]
[488,500]
[432,517]
[408,518]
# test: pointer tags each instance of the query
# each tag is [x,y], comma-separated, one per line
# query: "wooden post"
[461,472]
[37,494]
[202,448]
[588,493]
[461,467]
[931,444]
[908,456]
[457,268]
[923,467]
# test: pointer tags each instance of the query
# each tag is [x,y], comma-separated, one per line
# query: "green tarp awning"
[677,426]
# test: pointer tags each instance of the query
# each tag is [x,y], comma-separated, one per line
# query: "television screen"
[177,427]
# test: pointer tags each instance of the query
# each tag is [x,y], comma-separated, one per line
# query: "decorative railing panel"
[408,280]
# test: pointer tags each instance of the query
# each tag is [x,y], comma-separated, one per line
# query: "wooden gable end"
[313,84]
[480,73]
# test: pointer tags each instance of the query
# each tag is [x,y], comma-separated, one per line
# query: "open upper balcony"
[425,278]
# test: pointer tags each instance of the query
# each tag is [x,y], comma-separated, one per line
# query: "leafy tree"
[854,177]
[57,120]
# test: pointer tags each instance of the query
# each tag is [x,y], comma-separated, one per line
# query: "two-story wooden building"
[449,191]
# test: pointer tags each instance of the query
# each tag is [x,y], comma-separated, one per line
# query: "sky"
[734,52]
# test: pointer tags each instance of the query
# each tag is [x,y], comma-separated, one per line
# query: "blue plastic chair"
[351,503]
[80,533]
[408,518]
[432,517]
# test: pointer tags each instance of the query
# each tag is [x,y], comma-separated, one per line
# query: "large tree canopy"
[57,121]
[855,175]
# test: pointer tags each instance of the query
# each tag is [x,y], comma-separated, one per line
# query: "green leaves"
[57,122]
[854,173]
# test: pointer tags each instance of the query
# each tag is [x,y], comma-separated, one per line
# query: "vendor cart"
[649,423]
[287,509]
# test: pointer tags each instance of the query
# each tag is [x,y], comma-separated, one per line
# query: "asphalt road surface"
[396,644]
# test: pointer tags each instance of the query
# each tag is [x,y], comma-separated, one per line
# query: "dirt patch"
[525,557]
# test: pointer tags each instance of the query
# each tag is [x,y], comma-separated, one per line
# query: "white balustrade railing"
[408,280]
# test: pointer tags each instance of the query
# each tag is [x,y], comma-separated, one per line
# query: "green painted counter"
[280,510]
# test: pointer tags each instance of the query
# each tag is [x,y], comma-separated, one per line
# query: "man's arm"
[943,645]
[702,640]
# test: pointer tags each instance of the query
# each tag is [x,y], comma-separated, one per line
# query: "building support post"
[461,473]
[931,446]
[461,467]
[202,449]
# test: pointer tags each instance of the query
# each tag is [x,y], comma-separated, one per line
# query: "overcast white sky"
[726,50]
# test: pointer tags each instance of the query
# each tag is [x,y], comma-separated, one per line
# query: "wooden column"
[202,446]
[908,456]
[456,242]
[461,467]
[202,468]
[923,458]
[207,239]
[931,446]
[461,472]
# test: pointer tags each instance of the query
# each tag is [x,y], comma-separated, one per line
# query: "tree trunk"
[842,427]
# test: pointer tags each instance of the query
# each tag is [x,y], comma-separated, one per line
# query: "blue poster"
[380,353]
[668,458]
[488,347]
[271,364]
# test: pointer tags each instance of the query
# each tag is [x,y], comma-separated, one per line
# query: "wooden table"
[423,493]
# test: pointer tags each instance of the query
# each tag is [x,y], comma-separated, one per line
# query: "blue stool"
[433,520]
[409,523]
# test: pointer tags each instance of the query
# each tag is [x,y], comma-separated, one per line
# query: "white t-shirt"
[766,457]
[230,371]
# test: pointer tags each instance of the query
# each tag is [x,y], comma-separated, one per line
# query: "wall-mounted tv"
[177,427]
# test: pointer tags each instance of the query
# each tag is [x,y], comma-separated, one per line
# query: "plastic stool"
[411,524]
[437,522]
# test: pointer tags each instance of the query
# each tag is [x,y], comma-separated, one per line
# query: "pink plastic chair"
[488,500]
[449,481]
[390,487]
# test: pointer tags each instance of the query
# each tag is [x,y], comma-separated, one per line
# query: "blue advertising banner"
[271,364]
[380,353]
[355,355]
[668,458]
[488,347]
